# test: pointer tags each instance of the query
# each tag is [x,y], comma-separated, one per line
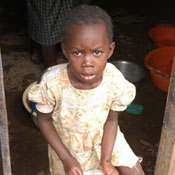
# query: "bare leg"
[136,170]
[35,52]
[49,55]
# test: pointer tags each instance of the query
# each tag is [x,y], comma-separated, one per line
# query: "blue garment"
[32,106]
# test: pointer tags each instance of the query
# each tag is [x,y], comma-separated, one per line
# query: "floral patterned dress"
[79,115]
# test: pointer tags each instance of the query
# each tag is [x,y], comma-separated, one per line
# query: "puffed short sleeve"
[42,95]
[124,93]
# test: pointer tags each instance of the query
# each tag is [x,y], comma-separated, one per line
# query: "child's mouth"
[88,77]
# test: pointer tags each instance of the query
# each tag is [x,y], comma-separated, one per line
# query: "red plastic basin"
[162,36]
[159,63]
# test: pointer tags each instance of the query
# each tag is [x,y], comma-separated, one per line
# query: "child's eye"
[97,52]
[77,53]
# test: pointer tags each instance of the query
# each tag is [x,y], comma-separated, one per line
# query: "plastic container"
[27,104]
[163,35]
[159,63]
[93,172]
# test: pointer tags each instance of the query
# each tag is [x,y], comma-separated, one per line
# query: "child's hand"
[72,167]
[109,169]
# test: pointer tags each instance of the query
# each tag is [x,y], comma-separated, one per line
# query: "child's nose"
[87,60]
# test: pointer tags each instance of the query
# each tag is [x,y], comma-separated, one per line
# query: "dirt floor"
[131,24]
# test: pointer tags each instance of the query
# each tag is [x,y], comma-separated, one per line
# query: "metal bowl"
[131,71]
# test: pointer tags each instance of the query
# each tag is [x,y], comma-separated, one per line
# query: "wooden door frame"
[165,163]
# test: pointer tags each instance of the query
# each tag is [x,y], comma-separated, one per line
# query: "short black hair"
[88,14]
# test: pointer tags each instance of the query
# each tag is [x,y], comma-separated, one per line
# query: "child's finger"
[109,172]
[77,171]
[115,172]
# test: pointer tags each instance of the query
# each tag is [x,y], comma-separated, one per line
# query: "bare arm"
[45,125]
[109,136]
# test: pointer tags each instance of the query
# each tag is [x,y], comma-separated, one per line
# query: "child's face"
[87,48]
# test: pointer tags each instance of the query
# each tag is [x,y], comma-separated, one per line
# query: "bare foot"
[36,58]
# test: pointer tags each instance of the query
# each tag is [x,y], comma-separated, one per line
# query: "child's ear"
[63,47]
[111,49]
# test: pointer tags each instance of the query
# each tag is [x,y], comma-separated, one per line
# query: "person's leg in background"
[49,54]
[45,28]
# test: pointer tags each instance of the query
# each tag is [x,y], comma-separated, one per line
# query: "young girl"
[78,103]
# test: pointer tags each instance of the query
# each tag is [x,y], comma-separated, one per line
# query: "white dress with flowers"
[79,115]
